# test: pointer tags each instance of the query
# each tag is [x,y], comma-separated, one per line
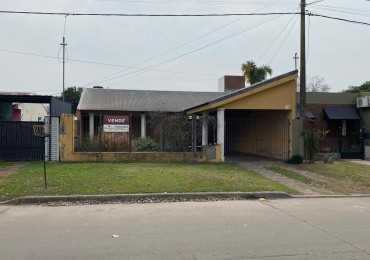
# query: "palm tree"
[254,74]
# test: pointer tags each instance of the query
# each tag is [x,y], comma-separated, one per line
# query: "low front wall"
[130,157]
[67,154]
[367,153]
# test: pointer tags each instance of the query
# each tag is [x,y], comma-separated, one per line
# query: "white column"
[143,125]
[221,131]
[205,129]
[91,125]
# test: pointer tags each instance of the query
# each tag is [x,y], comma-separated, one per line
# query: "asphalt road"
[335,228]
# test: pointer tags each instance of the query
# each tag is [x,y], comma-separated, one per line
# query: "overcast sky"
[192,52]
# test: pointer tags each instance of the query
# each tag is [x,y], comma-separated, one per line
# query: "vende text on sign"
[116,123]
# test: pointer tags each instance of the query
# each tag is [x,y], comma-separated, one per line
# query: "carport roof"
[245,90]
[142,100]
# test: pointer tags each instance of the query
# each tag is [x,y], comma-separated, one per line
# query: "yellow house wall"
[280,97]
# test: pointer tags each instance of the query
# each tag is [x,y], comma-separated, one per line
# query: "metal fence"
[18,143]
[250,137]
[171,132]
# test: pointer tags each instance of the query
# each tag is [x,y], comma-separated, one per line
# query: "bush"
[311,146]
[295,159]
[145,145]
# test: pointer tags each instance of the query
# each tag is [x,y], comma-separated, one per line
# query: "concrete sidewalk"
[260,167]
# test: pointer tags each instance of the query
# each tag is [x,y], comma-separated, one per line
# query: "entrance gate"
[17,142]
[267,137]
[352,146]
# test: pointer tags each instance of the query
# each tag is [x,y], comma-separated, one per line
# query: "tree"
[364,87]
[72,95]
[316,83]
[254,74]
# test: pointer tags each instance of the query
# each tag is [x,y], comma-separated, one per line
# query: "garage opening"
[257,133]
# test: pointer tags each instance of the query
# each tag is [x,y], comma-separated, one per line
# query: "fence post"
[130,133]
[193,134]
[340,139]
[362,142]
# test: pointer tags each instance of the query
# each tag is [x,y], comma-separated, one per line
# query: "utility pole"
[64,61]
[296,58]
[302,83]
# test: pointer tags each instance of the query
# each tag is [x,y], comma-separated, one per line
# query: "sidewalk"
[260,167]
[359,161]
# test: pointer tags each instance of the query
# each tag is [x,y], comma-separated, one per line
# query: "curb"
[330,196]
[148,196]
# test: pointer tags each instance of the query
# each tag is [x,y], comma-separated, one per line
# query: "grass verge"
[291,174]
[340,177]
[129,178]
[6,164]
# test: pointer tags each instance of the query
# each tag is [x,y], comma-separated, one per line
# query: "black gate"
[352,146]
[17,142]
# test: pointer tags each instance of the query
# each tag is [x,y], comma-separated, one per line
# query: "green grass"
[6,164]
[340,177]
[291,174]
[128,178]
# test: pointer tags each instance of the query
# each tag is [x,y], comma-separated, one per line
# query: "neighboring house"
[13,111]
[341,123]
[19,112]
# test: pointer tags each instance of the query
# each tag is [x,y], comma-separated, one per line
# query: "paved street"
[335,228]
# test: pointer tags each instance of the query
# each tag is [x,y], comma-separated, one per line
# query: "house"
[19,112]
[259,120]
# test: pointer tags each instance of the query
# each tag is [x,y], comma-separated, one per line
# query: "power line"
[341,11]
[178,47]
[143,15]
[197,2]
[338,19]
[139,72]
[282,43]
[106,64]
[272,43]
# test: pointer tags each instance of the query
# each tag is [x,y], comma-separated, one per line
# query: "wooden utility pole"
[302,83]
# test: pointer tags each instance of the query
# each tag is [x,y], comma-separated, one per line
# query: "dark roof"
[142,100]
[25,98]
[341,113]
[246,89]
[57,107]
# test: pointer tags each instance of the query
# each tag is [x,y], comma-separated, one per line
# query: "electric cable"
[272,43]
[177,47]
[282,43]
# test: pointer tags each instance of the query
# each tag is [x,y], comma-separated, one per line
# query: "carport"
[256,120]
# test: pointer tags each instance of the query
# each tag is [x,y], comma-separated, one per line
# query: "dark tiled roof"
[142,100]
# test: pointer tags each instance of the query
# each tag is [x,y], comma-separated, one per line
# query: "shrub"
[295,159]
[311,146]
[145,145]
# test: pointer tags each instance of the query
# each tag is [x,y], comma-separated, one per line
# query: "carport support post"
[221,131]
[205,129]
[143,125]
[91,125]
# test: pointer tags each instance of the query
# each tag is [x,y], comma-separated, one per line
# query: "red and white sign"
[116,123]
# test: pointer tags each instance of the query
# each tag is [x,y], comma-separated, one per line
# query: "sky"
[176,53]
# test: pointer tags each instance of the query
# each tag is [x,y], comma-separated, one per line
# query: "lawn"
[340,177]
[129,178]
[6,164]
